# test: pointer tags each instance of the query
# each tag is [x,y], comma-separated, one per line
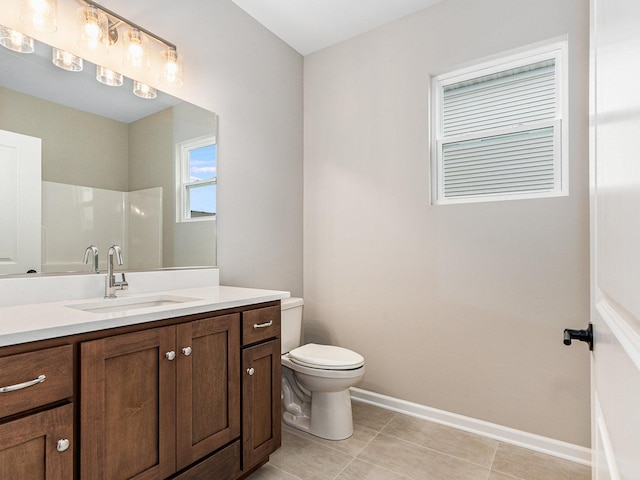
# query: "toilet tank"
[291,334]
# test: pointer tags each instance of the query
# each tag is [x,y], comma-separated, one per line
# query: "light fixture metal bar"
[127,22]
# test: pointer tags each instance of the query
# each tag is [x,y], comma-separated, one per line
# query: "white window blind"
[499,131]
[518,162]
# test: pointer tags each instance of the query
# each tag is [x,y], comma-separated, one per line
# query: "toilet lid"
[328,357]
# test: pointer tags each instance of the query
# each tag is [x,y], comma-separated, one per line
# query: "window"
[196,175]
[500,129]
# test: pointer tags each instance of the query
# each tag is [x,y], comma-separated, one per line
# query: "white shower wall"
[82,216]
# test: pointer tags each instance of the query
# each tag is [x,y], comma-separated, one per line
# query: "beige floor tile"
[501,476]
[308,460]
[369,416]
[452,441]
[529,465]
[359,470]
[350,446]
[269,472]
[418,462]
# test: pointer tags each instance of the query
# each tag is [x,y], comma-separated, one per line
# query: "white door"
[615,237]
[20,203]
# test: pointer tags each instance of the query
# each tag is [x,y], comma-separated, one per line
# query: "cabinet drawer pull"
[20,386]
[263,325]
[63,444]
[170,355]
[251,371]
[186,351]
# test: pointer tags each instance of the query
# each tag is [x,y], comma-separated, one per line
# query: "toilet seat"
[326,357]
[287,361]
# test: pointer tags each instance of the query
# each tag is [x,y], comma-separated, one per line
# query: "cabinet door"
[28,446]
[208,386]
[261,427]
[127,412]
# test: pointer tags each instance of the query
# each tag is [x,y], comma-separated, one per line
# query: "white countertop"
[40,321]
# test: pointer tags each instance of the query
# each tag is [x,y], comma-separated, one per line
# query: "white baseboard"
[538,443]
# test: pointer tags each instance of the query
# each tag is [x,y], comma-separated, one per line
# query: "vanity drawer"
[20,389]
[260,324]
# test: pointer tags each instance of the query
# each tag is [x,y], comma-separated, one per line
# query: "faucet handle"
[123,285]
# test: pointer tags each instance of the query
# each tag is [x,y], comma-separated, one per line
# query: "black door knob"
[582,335]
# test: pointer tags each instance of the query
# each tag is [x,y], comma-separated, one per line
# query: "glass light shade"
[171,68]
[143,90]
[15,41]
[137,52]
[94,29]
[39,14]
[66,61]
[108,77]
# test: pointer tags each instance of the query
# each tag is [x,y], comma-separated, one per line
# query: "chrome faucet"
[110,284]
[92,250]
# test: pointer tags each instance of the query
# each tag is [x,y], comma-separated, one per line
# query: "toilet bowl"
[316,380]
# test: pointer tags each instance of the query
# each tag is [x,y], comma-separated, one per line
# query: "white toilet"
[316,380]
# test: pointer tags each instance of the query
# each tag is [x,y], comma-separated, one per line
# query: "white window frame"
[183,179]
[556,50]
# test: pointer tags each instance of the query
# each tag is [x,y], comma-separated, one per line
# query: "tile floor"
[391,446]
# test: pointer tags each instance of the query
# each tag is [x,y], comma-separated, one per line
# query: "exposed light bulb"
[16,38]
[137,56]
[40,14]
[172,68]
[93,29]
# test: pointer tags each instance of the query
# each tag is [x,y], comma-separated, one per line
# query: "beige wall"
[256,81]
[457,307]
[78,148]
[151,164]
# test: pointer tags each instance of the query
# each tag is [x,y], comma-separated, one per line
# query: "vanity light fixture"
[94,29]
[99,29]
[108,77]
[66,61]
[143,90]
[39,14]
[136,43]
[16,41]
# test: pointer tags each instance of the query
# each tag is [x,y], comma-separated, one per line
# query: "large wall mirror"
[108,168]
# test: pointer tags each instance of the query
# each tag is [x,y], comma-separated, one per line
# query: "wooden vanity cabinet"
[158,400]
[261,380]
[36,416]
[185,398]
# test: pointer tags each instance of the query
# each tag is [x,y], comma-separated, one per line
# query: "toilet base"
[323,414]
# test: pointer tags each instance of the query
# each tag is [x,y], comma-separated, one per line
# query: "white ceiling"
[311,25]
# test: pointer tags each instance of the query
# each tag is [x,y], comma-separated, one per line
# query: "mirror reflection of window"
[197,179]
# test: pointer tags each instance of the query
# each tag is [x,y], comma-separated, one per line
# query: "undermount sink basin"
[109,305]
